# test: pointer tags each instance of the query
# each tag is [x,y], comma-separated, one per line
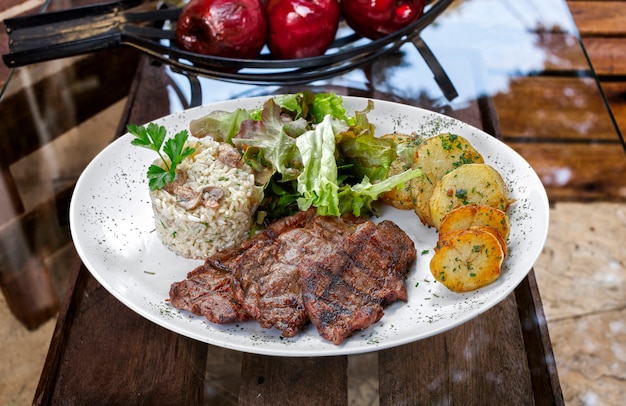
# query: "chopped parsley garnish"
[461,194]
[447,141]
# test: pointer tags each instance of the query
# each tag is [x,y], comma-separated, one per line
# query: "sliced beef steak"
[335,308]
[338,273]
[207,291]
[267,275]
[268,286]
[380,258]
[346,290]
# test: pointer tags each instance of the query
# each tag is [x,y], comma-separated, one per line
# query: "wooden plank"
[99,80]
[615,93]
[7,5]
[99,343]
[28,237]
[599,17]
[561,54]
[25,240]
[108,343]
[587,172]
[481,359]
[469,371]
[608,55]
[544,376]
[223,376]
[41,229]
[154,97]
[29,292]
[295,381]
[10,200]
[553,109]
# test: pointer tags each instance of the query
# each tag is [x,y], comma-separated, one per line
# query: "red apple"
[228,28]
[377,18]
[301,28]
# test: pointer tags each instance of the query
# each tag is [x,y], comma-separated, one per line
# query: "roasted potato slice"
[444,238]
[468,259]
[468,184]
[406,150]
[437,156]
[472,215]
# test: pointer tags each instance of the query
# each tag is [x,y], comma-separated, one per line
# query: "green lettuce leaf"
[220,125]
[318,181]
[279,200]
[296,105]
[364,153]
[310,106]
[357,199]
[270,142]
[328,104]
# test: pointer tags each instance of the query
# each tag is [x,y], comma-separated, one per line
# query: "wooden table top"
[504,355]
[104,353]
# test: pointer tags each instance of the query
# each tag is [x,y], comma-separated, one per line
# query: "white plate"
[112,226]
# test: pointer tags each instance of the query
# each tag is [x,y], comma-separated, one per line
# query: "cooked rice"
[202,231]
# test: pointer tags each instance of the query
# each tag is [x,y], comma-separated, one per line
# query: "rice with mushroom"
[208,207]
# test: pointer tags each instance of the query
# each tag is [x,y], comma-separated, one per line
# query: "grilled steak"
[346,290]
[338,273]
[381,255]
[267,275]
[207,291]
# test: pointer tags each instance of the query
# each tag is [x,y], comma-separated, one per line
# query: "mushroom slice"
[228,155]
[211,196]
[187,198]
[179,180]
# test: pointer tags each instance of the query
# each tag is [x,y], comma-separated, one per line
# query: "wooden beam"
[599,17]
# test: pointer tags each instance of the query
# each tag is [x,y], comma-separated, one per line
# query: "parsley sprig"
[152,137]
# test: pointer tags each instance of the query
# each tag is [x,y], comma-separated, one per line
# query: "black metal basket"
[82,30]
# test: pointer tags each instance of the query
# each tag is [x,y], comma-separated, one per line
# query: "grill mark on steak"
[347,290]
[207,292]
[381,256]
[335,307]
[269,288]
[339,273]
[267,277]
